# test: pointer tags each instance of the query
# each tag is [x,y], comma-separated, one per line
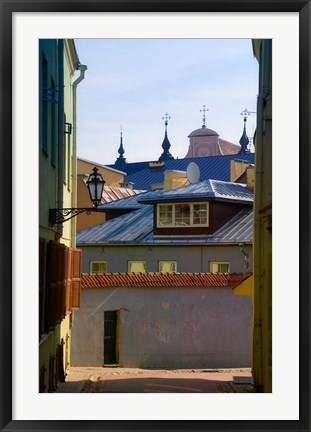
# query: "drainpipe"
[60,155]
[82,69]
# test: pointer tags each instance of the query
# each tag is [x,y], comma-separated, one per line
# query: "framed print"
[32,94]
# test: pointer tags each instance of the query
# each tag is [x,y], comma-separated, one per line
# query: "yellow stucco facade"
[111,176]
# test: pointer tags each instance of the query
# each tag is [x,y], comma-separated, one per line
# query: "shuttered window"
[76,278]
[63,275]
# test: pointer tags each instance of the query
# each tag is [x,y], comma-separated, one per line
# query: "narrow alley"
[134,380]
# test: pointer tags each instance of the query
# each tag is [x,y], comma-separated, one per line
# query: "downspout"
[82,69]
[60,155]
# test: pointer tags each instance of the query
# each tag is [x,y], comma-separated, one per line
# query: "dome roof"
[203,131]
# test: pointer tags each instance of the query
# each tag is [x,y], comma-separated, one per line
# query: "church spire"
[244,141]
[166,155]
[121,159]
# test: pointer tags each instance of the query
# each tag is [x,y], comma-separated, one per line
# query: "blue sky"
[134,82]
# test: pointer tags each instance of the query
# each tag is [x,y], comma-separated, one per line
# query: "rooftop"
[137,228]
[205,189]
[215,167]
[157,280]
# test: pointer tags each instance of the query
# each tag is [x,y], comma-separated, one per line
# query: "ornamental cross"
[166,118]
[204,110]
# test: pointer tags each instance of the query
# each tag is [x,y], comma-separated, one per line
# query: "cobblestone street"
[133,380]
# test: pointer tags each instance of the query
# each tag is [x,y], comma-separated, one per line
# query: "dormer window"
[182,215]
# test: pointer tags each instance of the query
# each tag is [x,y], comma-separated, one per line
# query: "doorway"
[111,338]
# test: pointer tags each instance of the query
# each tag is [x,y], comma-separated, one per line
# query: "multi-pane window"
[167,266]
[220,267]
[182,215]
[166,214]
[199,214]
[98,267]
[136,266]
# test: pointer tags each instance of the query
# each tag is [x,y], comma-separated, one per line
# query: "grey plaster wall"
[189,258]
[166,327]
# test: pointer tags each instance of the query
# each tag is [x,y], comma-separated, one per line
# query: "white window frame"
[136,261]
[212,263]
[168,262]
[98,262]
[173,224]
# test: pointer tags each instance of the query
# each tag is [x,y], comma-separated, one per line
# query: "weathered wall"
[189,258]
[166,327]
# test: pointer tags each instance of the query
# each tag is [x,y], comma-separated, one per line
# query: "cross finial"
[204,110]
[166,118]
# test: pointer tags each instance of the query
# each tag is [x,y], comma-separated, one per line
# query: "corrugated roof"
[215,167]
[137,227]
[131,227]
[156,280]
[204,189]
[129,203]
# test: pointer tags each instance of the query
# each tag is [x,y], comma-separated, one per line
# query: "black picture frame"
[8,7]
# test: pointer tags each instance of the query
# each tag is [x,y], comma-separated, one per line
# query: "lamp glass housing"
[95,184]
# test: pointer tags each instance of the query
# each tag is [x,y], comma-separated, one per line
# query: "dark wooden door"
[110,337]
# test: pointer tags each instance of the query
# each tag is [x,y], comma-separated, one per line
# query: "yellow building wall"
[111,177]
[49,343]
[246,287]
[262,242]
[174,179]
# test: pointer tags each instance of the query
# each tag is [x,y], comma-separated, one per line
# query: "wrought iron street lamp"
[95,184]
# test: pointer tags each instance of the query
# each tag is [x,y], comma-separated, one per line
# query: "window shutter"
[76,279]
[68,281]
[60,284]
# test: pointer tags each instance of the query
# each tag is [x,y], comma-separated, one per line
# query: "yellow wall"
[246,287]
[49,342]
[112,178]
[174,179]
[262,249]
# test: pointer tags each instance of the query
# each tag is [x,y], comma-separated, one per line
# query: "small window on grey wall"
[98,267]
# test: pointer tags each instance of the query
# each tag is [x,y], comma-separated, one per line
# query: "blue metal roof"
[137,228]
[131,227]
[211,167]
[205,189]
[128,203]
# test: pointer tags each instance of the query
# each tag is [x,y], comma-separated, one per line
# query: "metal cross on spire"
[246,114]
[166,118]
[204,110]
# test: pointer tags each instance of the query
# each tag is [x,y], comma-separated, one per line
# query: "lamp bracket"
[58,216]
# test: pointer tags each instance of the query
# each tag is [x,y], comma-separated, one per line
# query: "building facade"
[181,320]
[59,260]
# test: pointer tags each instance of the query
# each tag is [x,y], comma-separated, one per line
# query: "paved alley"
[134,380]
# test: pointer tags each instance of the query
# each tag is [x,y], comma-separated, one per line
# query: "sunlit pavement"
[133,380]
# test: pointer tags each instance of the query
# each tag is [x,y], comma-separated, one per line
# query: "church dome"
[203,131]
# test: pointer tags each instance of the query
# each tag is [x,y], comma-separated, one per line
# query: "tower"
[166,155]
[203,141]
[244,141]
[120,161]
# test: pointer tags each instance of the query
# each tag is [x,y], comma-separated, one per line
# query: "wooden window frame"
[173,206]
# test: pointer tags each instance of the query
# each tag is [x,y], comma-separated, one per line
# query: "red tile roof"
[112,193]
[150,279]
